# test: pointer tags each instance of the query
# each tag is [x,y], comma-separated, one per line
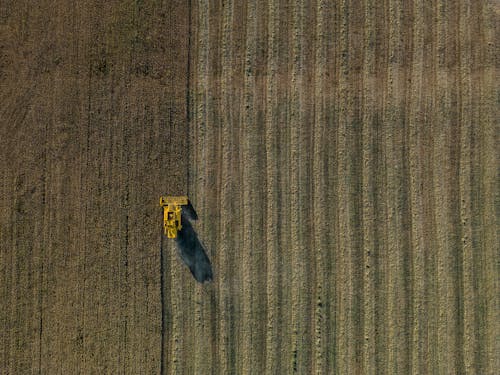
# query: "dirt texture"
[342,157]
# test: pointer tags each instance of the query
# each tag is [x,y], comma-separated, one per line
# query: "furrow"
[320,244]
[299,200]
[332,216]
[251,195]
[418,364]
[469,295]
[394,117]
[273,364]
[490,184]
[284,181]
[5,244]
[369,180]
[208,193]
[227,245]
[199,359]
[444,208]
[344,308]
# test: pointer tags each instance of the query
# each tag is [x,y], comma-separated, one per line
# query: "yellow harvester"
[172,207]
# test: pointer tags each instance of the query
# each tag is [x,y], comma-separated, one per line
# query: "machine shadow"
[190,248]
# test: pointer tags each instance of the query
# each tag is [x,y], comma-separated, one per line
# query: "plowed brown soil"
[342,157]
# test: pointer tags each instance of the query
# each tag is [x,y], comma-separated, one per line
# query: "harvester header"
[172,207]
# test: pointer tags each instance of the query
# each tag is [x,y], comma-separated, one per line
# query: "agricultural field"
[342,157]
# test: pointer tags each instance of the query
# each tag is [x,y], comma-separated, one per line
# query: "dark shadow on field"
[190,248]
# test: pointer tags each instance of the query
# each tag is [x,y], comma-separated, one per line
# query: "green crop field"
[342,157]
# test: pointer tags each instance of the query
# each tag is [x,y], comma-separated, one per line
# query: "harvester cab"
[172,207]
